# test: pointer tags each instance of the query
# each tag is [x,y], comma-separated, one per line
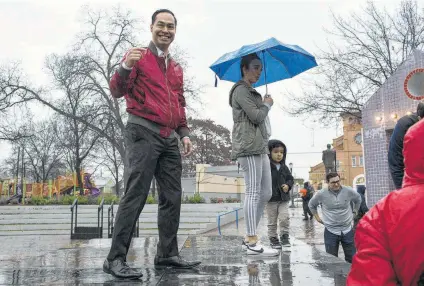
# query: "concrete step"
[93,215]
[152,208]
[56,220]
[143,232]
[82,219]
[26,227]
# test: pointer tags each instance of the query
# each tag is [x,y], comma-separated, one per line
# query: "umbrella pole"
[266,85]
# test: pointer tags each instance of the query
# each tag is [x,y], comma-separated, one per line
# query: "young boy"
[277,207]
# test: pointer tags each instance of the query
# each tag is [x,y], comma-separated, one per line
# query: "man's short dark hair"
[163,11]
[331,175]
[420,110]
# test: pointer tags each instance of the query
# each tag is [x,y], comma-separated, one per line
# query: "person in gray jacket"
[250,148]
[337,215]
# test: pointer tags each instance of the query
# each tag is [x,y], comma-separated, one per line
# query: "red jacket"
[390,237]
[153,91]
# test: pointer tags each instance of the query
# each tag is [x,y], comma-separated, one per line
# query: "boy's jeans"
[277,212]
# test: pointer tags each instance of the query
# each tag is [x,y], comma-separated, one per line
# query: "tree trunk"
[126,173]
[80,185]
[117,186]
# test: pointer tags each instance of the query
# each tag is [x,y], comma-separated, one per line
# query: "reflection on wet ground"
[49,260]
[309,231]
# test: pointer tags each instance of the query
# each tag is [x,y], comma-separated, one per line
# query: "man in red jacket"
[390,237]
[152,84]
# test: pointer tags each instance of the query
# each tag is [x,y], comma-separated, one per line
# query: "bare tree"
[79,101]
[107,156]
[13,122]
[43,152]
[369,47]
[211,145]
[99,49]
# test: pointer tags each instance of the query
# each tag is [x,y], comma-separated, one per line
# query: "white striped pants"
[257,177]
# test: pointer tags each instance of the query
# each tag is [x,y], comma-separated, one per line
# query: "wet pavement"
[50,260]
[309,231]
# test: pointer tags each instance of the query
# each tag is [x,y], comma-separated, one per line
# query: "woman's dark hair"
[420,110]
[163,11]
[332,175]
[246,60]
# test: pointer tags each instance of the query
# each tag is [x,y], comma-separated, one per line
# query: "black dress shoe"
[120,269]
[174,262]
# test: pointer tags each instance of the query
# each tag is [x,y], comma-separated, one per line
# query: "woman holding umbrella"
[250,148]
[251,129]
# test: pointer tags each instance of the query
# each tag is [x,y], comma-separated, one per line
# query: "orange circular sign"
[405,85]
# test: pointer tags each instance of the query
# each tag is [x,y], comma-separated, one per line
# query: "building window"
[361,161]
[353,161]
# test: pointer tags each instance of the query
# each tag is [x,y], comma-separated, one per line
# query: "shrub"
[109,199]
[93,200]
[67,200]
[83,200]
[214,200]
[39,200]
[195,199]
[151,200]
[232,200]
[185,200]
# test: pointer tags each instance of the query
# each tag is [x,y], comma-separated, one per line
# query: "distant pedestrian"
[363,209]
[307,194]
[395,154]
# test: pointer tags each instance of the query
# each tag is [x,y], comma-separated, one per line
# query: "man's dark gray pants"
[332,242]
[149,155]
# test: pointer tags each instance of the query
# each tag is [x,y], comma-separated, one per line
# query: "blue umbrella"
[280,61]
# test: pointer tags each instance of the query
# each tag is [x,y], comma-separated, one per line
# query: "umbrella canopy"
[280,61]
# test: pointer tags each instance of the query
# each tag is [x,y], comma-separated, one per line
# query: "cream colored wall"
[211,183]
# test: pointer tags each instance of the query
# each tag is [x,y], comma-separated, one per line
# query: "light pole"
[292,197]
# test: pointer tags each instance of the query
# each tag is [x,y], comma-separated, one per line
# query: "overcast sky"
[206,29]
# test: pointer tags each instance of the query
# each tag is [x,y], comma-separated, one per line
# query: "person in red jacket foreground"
[152,84]
[390,237]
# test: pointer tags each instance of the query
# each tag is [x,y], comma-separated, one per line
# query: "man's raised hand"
[133,56]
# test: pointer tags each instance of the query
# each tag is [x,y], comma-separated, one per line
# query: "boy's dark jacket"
[280,177]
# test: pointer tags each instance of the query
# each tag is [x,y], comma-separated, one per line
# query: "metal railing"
[220,215]
[74,206]
[100,226]
[110,221]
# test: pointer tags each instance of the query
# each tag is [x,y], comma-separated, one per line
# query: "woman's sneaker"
[275,243]
[259,249]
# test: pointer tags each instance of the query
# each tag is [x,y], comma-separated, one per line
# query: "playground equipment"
[62,185]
